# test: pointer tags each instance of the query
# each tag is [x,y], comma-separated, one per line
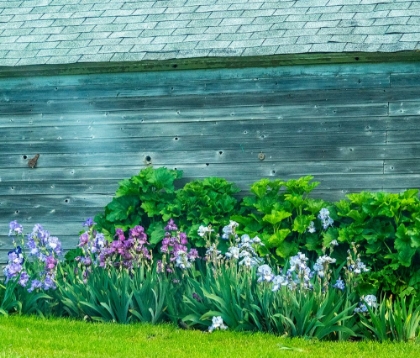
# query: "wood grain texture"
[353,126]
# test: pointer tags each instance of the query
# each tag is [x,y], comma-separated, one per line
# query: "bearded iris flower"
[265,274]
[217,323]
[15,228]
[324,216]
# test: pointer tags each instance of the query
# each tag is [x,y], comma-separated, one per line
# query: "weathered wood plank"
[399,182]
[54,201]
[403,137]
[141,88]
[402,166]
[404,108]
[49,215]
[147,130]
[162,158]
[292,98]
[66,174]
[174,116]
[242,141]
[47,188]
[282,170]
[206,169]
[405,80]
[408,123]
[339,71]
[87,187]
[401,151]
[68,97]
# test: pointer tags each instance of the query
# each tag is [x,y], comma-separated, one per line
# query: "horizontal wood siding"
[353,126]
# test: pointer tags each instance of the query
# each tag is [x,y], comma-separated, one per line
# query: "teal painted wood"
[232,128]
[338,151]
[354,127]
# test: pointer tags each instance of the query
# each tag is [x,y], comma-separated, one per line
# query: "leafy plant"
[113,295]
[9,302]
[391,320]
[281,214]
[387,227]
[28,277]
[139,200]
[207,201]
[284,304]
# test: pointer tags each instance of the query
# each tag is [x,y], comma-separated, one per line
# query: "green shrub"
[280,213]
[386,227]
[206,202]
[150,199]
[140,200]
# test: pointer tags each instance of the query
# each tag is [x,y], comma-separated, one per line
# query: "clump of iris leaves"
[276,261]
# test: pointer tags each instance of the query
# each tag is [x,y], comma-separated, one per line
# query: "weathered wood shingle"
[71,31]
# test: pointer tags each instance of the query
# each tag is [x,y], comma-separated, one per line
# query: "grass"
[36,337]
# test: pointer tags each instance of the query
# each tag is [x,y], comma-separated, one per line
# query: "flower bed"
[282,263]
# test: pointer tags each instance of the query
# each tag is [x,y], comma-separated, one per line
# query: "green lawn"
[35,337]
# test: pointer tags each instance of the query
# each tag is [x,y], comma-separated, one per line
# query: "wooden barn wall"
[354,127]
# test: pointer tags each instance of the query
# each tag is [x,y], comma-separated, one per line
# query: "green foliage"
[232,292]
[150,198]
[139,200]
[113,295]
[17,300]
[392,320]
[72,254]
[9,302]
[280,213]
[316,315]
[224,291]
[205,202]
[387,228]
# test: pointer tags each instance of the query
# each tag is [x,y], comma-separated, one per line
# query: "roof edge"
[208,63]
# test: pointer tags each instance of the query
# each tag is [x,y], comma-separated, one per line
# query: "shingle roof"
[71,31]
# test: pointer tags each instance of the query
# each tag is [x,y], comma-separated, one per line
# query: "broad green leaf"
[302,185]
[403,246]
[278,237]
[414,237]
[262,187]
[313,243]
[302,222]
[314,205]
[119,208]
[276,216]
[72,254]
[163,178]
[356,215]
[151,208]
[329,236]
[266,204]
[287,249]
[295,199]
[127,187]
[156,233]
[107,235]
